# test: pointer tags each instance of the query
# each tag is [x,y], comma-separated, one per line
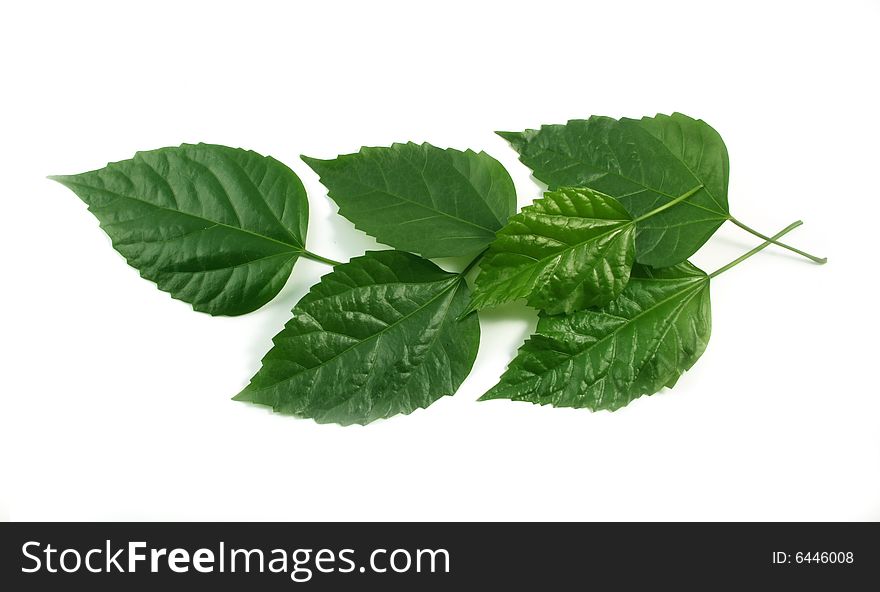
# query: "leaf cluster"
[602,256]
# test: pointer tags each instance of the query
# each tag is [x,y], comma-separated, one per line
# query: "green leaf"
[214,226]
[696,144]
[378,336]
[571,249]
[644,164]
[419,198]
[604,358]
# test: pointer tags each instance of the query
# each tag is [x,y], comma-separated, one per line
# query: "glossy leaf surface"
[214,226]
[378,336]
[570,249]
[644,164]
[603,358]
[420,198]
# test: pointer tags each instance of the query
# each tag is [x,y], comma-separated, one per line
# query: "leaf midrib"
[697,284]
[724,215]
[387,191]
[455,283]
[682,161]
[287,255]
[405,382]
[626,394]
[483,198]
[558,254]
[293,247]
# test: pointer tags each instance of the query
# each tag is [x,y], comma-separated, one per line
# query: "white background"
[116,398]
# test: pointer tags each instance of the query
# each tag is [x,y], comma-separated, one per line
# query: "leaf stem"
[819,260]
[473,262]
[314,257]
[761,247]
[669,204]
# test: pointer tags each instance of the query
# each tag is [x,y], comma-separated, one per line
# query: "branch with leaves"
[602,255]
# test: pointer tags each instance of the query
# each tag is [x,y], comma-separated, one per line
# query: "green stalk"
[669,204]
[761,247]
[473,262]
[819,260]
[318,258]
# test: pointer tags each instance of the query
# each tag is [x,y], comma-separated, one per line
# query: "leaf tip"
[311,161]
[466,313]
[244,396]
[511,137]
[473,306]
